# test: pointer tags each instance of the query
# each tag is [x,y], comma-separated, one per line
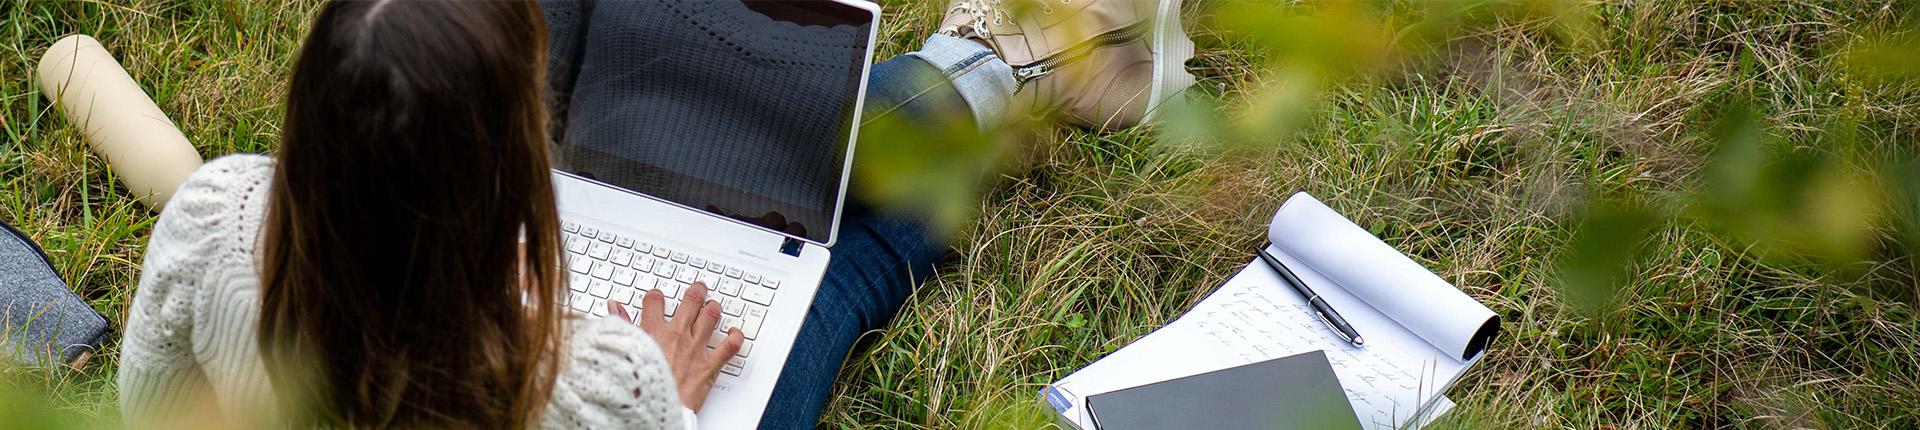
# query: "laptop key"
[600,289]
[588,232]
[730,287]
[602,270]
[733,272]
[732,306]
[730,323]
[569,226]
[716,267]
[643,247]
[732,370]
[576,245]
[750,323]
[624,276]
[599,307]
[685,275]
[580,302]
[577,282]
[771,283]
[624,242]
[580,265]
[661,252]
[752,278]
[665,270]
[599,251]
[621,258]
[761,295]
[745,348]
[606,236]
[679,257]
[697,262]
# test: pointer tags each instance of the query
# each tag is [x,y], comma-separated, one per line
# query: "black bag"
[41,320]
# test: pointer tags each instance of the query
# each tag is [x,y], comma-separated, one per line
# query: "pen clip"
[1333,327]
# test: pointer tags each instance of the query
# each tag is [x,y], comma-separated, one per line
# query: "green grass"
[1482,154]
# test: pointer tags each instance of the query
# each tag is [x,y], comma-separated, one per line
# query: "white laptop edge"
[853,137]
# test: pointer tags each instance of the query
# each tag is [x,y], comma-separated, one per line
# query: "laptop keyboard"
[603,266]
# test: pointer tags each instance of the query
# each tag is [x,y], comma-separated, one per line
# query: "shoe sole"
[1171,49]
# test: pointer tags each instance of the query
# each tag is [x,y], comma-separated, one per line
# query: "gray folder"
[1293,392]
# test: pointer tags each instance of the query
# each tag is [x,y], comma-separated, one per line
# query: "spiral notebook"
[1422,333]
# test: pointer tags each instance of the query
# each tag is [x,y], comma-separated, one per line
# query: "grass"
[1484,155]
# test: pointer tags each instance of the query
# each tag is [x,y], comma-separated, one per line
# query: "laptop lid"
[745,110]
[1294,392]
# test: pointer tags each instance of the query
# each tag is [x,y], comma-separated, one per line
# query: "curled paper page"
[1383,277]
[117,119]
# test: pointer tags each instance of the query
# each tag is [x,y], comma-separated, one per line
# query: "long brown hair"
[412,165]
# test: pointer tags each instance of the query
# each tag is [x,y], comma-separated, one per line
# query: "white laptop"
[741,189]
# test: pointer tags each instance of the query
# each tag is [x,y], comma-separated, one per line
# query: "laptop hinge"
[790,246]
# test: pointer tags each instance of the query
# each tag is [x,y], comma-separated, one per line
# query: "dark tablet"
[1294,392]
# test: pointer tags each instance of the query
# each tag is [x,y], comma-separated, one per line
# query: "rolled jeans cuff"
[982,78]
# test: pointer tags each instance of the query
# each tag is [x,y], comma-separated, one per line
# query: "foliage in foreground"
[1691,214]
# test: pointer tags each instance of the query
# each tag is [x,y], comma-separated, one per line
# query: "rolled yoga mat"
[117,118]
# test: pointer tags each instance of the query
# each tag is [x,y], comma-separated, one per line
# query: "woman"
[396,265]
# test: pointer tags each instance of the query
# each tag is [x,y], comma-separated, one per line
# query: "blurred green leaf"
[1886,58]
[927,167]
[25,402]
[1194,123]
[1605,246]
[1794,201]
[1739,153]
[1328,38]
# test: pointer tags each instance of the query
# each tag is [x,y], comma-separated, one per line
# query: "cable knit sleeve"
[189,332]
[614,377]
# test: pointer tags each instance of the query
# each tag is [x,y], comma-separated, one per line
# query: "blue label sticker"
[1057,400]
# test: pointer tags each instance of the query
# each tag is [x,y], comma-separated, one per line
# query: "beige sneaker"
[1101,63]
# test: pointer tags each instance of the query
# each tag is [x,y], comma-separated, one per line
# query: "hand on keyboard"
[683,339]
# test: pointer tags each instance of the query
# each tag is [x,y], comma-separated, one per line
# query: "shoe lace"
[982,12]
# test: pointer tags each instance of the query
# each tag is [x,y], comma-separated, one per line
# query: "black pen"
[1320,307]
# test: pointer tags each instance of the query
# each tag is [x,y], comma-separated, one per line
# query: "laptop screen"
[741,109]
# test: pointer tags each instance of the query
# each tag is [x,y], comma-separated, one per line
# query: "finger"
[710,365]
[619,310]
[653,310]
[696,293]
[728,347]
[703,327]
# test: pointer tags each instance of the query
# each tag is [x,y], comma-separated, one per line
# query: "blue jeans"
[880,257]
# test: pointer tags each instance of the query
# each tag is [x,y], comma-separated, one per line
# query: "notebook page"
[1382,276]
[1254,317]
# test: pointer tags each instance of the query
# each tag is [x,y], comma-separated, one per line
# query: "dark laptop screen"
[742,109]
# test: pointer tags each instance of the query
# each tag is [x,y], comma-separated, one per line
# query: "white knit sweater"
[190,336]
